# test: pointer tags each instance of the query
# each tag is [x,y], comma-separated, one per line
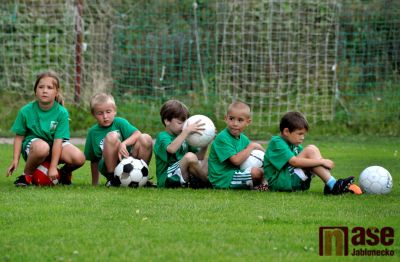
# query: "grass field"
[85,223]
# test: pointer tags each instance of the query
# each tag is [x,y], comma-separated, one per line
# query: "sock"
[331,182]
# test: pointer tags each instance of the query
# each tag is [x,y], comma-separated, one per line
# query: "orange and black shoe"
[340,187]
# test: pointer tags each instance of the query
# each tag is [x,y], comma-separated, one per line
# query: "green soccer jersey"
[220,169]
[164,159]
[34,122]
[276,166]
[95,137]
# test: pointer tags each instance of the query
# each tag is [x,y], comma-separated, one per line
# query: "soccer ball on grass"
[132,172]
[376,180]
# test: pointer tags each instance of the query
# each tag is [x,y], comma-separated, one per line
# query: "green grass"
[85,223]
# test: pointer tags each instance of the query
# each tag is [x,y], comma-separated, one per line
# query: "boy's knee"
[257,173]
[312,148]
[191,157]
[146,140]
[111,137]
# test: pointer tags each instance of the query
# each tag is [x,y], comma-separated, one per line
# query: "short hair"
[174,109]
[56,83]
[101,98]
[293,121]
[240,106]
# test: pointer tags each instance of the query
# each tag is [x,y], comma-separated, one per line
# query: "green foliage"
[85,223]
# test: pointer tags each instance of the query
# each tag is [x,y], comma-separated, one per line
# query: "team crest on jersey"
[53,126]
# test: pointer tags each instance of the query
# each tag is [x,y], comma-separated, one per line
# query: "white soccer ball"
[132,172]
[208,134]
[256,159]
[376,180]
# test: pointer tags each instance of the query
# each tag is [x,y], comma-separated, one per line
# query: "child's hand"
[122,151]
[327,163]
[255,145]
[53,173]
[12,168]
[196,127]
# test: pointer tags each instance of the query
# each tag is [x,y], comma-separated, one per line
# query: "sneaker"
[261,187]
[340,187]
[65,177]
[23,181]
[356,190]
[113,182]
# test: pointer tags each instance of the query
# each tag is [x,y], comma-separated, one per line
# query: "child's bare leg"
[38,152]
[190,165]
[72,157]
[312,152]
[143,148]
[257,174]
[110,151]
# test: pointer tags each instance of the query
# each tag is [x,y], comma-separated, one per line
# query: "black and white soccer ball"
[132,172]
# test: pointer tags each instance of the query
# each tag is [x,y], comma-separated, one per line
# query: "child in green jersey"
[42,133]
[230,149]
[112,139]
[177,163]
[289,167]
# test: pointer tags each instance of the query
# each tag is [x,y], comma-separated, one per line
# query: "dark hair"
[173,109]
[293,121]
[52,74]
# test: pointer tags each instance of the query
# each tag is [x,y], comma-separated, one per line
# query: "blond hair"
[101,98]
[240,106]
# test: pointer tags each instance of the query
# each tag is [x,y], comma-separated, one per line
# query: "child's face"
[46,91]
[174,126]
[104,114]
[237,121]
[296,137]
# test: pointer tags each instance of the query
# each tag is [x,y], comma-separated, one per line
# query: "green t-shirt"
[96,134]
[276,166]
[164,159]
[34,122]
[220,168]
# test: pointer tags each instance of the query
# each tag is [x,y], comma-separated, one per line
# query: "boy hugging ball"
[289,167]
[230,149]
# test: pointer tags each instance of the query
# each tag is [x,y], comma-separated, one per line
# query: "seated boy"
[112,139]
[289,167]
[177,163]
[230,149]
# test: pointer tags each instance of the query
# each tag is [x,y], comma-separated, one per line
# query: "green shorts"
[242,179]
[174,176]
[26,146]
[300,180]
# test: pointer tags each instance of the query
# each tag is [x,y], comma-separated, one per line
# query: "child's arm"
[123,151]
[55,157]
[244,154]
[94,168]
[309,162]
[17,153]
[196,127]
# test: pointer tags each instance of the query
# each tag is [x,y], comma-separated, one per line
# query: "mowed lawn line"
[152,224]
